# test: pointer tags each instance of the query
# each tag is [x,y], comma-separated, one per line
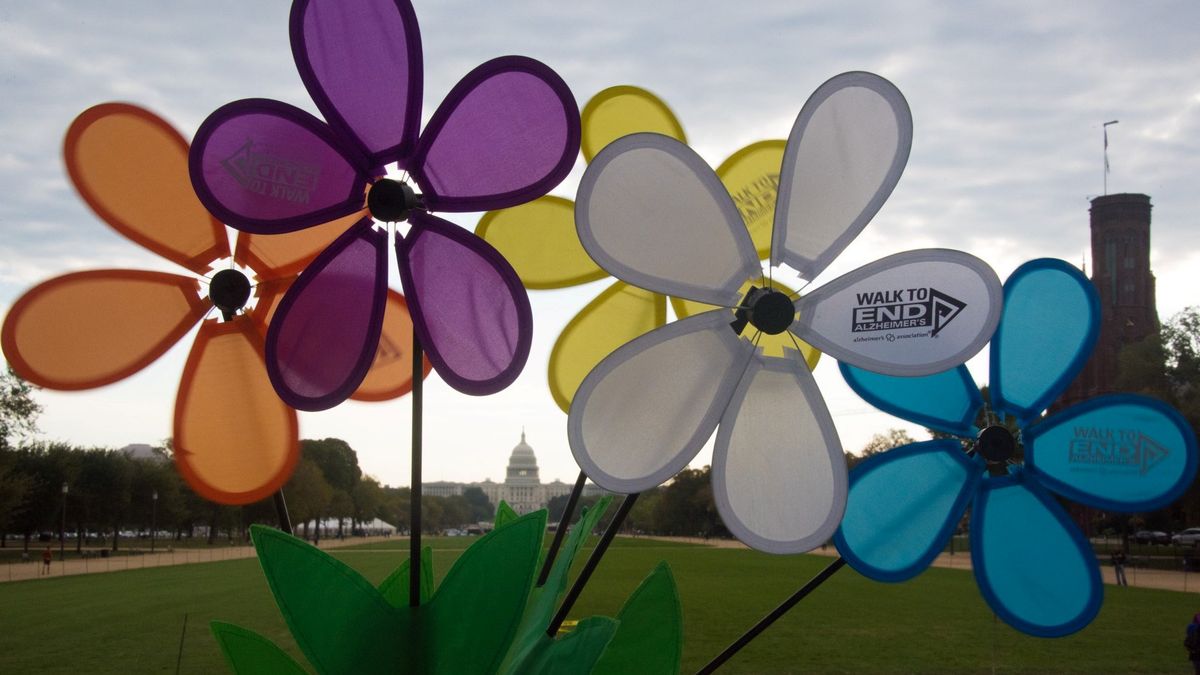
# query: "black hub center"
[768,310]
[391,200]
[996,444]
[229,290]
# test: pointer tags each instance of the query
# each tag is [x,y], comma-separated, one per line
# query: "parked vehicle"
[1188,537]
[1151,537]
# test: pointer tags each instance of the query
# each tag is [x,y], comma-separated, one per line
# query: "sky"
[1008,99]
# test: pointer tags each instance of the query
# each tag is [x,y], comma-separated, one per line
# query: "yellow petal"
[538,239]
[235,441]
[752,177]
[619,314]
[772,345]
[620,111]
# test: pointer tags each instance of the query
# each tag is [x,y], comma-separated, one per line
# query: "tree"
[18,410]
[336,459]
[892,438]
[368,498]
[308,493]
[482,508]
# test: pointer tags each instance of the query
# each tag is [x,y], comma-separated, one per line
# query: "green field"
[131,621]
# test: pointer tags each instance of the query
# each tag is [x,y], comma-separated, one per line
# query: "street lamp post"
[63,528]
[153,518]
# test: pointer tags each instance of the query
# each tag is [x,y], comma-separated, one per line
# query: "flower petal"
[88,329]
[391,373]
[845,154]
[618,315]
[752,177]
[131,167]
[947,401]
[645,410]
[469,309]
[623,110]
[903,506]
[913,313]
[273,256]
[769,345]
[1047,329]
[325,332]
[361,63]
[235,441]
[267,167]
[1118,453]
[538,238]
[779,477]
[653,214]
[506,134]
[1034,568]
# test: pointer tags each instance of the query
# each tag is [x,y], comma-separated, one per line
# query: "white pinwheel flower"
[652,213]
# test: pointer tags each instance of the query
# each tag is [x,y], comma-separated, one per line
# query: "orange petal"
[273,256]
[131,167]
[88,329]
[390,375]
[235,441]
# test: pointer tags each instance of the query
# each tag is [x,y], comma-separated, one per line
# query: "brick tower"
[1121,275]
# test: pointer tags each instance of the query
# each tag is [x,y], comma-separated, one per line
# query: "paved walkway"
[140,558]
[1138,578]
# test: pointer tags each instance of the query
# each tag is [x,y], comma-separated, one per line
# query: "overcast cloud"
[1007,98]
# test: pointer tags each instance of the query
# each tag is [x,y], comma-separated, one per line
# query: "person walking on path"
[47,556]
[1192,642]
[1118,563]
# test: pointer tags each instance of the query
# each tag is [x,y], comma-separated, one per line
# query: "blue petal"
[1118,453]
[1047,330]
[1034,568]
[947,401]
[903,506]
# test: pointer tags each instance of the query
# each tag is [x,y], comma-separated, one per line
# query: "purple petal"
[325,333]
[468,306]
[267,167]
[361,63]
[507,133]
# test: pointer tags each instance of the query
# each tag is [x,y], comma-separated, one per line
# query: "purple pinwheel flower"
[507,133]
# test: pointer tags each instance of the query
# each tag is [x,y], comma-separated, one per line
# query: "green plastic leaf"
[341,622]
[543,601]
[248,652]
[650,637]
[575,652]
[395,587]
[504,515]
[474,613]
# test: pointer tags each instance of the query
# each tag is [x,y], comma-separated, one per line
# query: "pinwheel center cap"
[229,290]
[767,310]
[391,200]
[996,444]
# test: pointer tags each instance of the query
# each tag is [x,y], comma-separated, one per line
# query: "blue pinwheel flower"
[1117,453]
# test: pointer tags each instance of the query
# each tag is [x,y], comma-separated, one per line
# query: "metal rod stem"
[775,614]
[285,521]
[593,561]
[569,511]
[414,542]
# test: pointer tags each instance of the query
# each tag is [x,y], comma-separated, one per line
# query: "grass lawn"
[131,621]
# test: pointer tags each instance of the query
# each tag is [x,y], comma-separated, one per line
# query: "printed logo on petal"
[904,308]
[272,176]
[1114,450]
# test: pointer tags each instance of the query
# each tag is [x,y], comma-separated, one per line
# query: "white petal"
[645,410]
[913,313]
[779,477]
[845,154]
[652,212]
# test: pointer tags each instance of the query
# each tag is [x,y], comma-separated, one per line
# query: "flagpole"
[1106,125]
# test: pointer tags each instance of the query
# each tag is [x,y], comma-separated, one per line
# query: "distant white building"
[144,452]
[522,488]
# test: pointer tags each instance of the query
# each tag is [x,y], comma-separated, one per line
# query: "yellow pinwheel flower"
[540,240]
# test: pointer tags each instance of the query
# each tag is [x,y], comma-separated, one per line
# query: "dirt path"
[1183,582]
[140,558]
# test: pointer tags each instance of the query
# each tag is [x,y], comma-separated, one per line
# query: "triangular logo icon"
[944,309]
[1152,452]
